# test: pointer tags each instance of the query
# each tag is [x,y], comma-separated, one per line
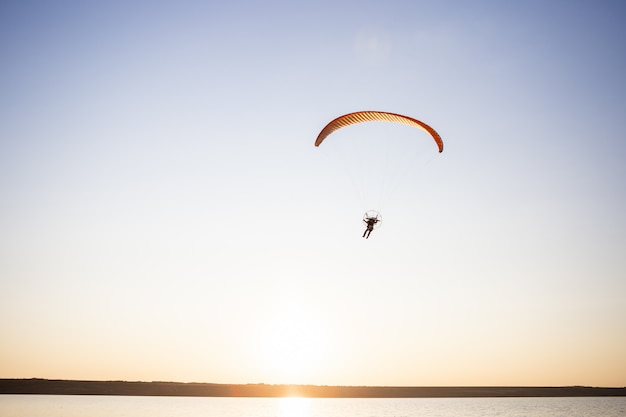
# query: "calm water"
[103,406]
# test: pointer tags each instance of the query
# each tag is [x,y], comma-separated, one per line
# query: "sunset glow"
[293,345]
[166,216]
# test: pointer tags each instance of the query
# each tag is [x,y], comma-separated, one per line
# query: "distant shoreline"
[180,389]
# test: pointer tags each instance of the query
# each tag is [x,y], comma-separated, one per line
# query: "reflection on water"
[105,406]
[294,407]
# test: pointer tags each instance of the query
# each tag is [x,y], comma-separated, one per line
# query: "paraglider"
[372,218]
[373,116]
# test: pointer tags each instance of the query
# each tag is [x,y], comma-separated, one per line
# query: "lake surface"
[120,406]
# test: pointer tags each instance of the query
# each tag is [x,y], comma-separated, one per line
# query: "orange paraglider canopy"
[373,116]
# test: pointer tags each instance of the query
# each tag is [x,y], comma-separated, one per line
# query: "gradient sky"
[164,214]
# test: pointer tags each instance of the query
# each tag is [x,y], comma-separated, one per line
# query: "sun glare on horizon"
[293,344]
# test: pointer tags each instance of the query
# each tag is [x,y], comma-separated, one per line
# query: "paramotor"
[372,219]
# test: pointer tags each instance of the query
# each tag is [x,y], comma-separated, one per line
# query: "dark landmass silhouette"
[180,389]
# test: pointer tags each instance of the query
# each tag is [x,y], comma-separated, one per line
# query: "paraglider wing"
[372,116]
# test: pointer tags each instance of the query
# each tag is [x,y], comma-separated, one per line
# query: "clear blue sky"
[164,214]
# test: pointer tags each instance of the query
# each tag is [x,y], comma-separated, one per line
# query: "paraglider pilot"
[370,222]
